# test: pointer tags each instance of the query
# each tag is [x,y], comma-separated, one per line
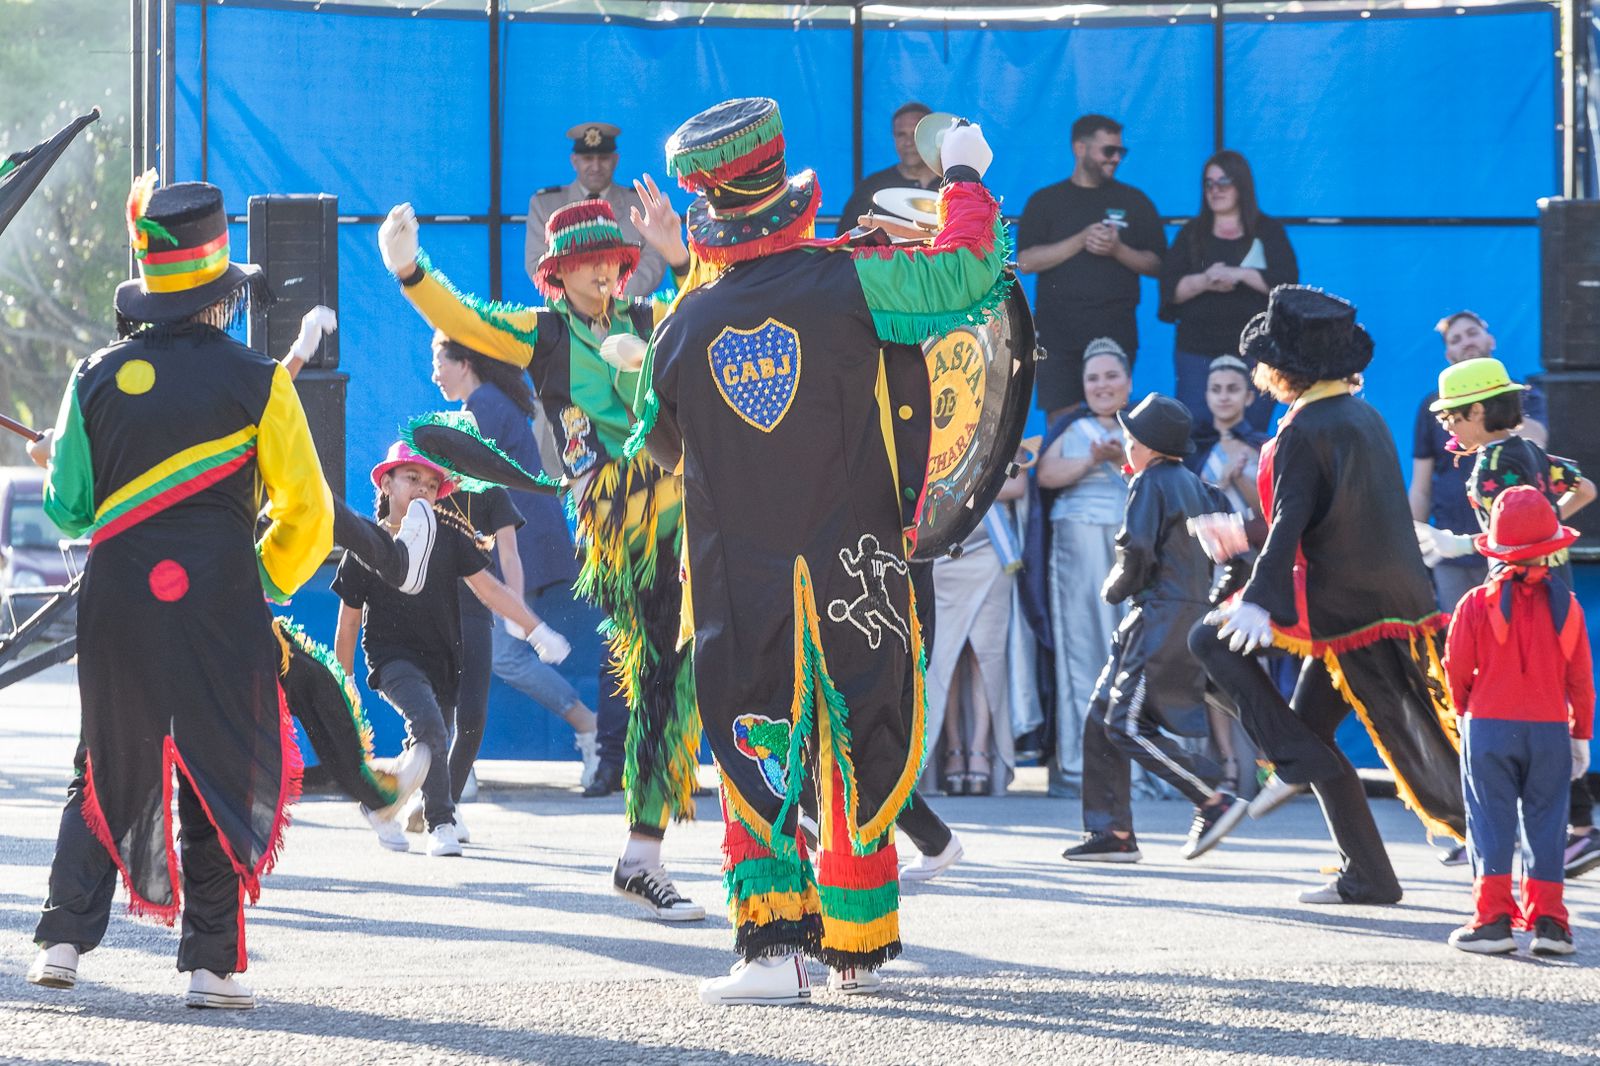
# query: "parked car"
[35,560]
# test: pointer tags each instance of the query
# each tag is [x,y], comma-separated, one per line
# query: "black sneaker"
[1550,937]
[1213,823]
[607,779]
[1104,847]
[1492,939]
[653,890]
[1582,853]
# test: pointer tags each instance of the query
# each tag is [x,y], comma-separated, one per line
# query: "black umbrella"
[21,172]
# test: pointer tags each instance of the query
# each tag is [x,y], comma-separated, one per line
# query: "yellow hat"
[1472,381]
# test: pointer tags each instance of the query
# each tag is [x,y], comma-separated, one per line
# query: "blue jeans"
[518,665]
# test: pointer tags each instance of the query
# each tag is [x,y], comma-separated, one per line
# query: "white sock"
[641,854]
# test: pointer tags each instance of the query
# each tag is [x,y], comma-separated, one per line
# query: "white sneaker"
[55,967]
[418,531]
[462,836]
[1274,794]
[469,790]
[411,815]
[390,835]
[442,840]
[770,981]
[854,982]
[408,770]
[927,867]
[206,989]
[588,745]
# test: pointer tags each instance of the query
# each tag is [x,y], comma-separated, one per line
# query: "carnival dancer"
[1151,681]
[1520,674]
[768,389]
[161,443]
[627,510]
[413,643]
[1336,583]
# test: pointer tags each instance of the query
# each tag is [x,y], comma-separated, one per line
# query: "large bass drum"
[980,381]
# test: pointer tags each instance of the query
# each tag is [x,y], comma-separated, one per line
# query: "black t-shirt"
[860,201]
[1088,295]
[425,629]
[1210,323]
[486,512]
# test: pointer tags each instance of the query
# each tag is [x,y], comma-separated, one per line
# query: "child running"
[1519,667]
[413,643]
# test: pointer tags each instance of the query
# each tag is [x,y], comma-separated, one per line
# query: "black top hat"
[1307,333]
[180,236]
[1161,424]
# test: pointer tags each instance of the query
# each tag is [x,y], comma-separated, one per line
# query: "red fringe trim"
[581,211]
[1433,623]
[967,229]
[544,273]
[837,869]
[95,818]
[740,845]
[782,241]
[755,159]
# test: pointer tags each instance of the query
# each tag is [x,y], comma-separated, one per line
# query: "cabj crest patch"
[757,371]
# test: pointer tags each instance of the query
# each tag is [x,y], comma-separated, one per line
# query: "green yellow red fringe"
[624,574]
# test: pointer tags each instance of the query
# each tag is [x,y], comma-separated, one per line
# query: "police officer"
[594,160]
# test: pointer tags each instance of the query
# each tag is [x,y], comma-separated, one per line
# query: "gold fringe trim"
[775,907]
[1407,796]
[860,937]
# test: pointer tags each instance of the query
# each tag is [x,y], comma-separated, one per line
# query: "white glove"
[1246,627]
[551,646]
[1437,544]
[397,240]
[623,351]
[964,146]
[1580,757]
[316,324]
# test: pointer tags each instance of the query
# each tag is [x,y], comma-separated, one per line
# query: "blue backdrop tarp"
[1408,115]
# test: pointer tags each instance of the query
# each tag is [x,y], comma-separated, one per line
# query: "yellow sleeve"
[299,503]
[501,331]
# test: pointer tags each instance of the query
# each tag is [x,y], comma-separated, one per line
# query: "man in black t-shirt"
[910,171]
[1089,239]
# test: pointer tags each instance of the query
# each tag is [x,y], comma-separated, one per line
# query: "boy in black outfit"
[1151,680]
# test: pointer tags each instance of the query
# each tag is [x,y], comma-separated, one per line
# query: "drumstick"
[19,429]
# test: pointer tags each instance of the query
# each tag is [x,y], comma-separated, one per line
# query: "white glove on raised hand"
[623,351]
[551,646]
[316,324]
[1246,627]
[397,240]
[1580,758]
[1437,544]
[964,146]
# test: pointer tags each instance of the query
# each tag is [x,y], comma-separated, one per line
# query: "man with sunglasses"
[1089,238]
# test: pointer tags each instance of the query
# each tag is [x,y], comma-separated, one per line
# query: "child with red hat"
[1518,667]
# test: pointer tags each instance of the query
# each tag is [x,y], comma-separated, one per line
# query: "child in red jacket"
[1518,665]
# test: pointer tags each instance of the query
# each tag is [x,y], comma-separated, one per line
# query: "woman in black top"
[1217,274]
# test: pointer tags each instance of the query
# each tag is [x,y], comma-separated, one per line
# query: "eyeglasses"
[1223,182]
[1449,418]
[1113,151]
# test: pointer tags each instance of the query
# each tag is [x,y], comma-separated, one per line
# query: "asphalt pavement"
[518,952]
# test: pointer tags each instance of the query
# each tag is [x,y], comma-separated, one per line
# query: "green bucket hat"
[1473,381]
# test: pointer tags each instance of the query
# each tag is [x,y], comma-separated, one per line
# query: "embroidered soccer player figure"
[871,612]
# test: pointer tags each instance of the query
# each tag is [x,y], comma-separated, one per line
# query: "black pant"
[1580,804]
[925,828]
[1297,736]
[472,692]
[1120,731]
[83,878]
[369,542]
[611,719]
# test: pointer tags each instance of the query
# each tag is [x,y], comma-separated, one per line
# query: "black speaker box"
[322,395]
[1572,401]
[294,239]
[1569,283]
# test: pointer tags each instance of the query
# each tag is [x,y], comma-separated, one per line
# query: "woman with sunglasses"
[1216,277]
